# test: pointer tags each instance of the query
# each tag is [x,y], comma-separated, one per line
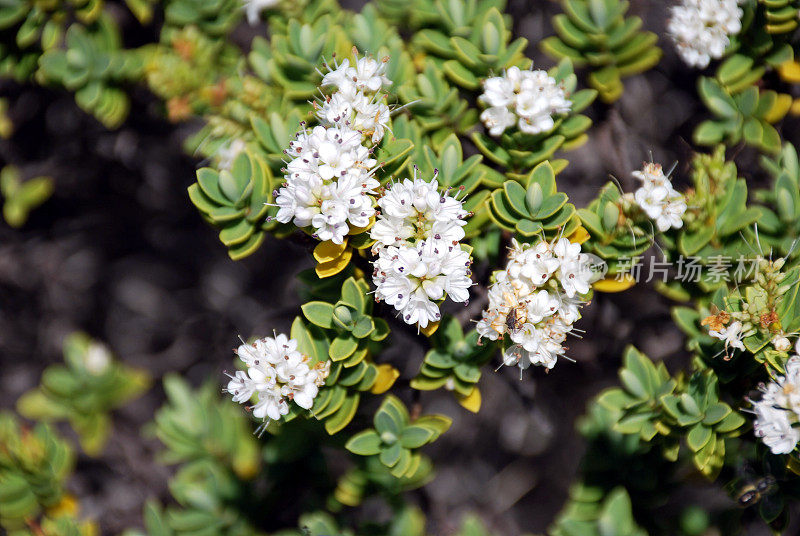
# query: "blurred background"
[119,252]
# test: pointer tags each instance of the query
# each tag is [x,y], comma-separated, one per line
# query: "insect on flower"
[517,316]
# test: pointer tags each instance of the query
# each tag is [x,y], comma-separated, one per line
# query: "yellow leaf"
[795,109]
[579,236]
[781,107]
[612,284]
[347,498]
[387,375]
[328,251]
[790,71]
[472,401]
[327,269]
[430,329]
[358,230]
[793,464]
[67,506]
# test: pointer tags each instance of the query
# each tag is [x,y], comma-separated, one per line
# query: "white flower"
[536,300]
[775,429]
[778,411]
[731,334]
[540,305]
[412,278]
[271,405]
[368,115]
[781,342]
[534,265]
[652,175]
[240,387]
[701,29]
[277,373]
[328,183]
[575,268]
[569,309]
[657,198]
[529,98]
[415,210]
[253,9]
[368,75]
[97,358]
[497,119]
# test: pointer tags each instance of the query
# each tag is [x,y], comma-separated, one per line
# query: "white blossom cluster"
[537,299]
[658,199]
[778,411]
[277,373]
[525,97]
[329,183]
[358,103]
[420,260]
[701,29]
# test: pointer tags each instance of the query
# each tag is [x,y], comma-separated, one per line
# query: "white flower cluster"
[537,299]
[701,29]
[420,260]
[329,180]
[329,183]
[658,199]
[366,114]
[528,98]
[778,411]
[276,373]
[358,102]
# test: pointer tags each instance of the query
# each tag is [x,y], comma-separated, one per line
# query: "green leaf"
[439,424]
[716,98]
[633,384]
[415,436]
[733,421]
[440,359]
[390,455]
[366,443]
[410,522]
[708,133]
[381,330]
[515,195]
[343,415]
[342,347]
[734,68]
[528,228]
[311,341]
[319,313]
[353,295]
[715,413]
[36,405]
[698,437]
[386,422]
[93,431]
[403,464]
[690,243]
